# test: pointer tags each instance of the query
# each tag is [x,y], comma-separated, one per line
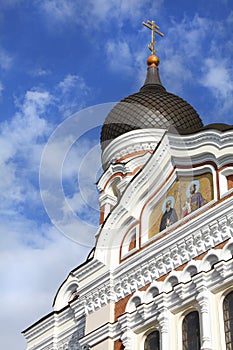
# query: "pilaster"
[204,301]
[164,322]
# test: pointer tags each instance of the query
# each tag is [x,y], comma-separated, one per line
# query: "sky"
[63,63]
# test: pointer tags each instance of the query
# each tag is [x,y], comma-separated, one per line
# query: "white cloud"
[6,59]
[105,10]
[59,10]
[67,160]
[91,13]
[21,147]
[35,257]
[22,139]
[188,43]
[218,78]
[40,72]
[189,35]
[101,16]
[73,93]
[35,103]
[176,77]
[77,167]
[119,56]
[30,277]
[70,82]
[181,46]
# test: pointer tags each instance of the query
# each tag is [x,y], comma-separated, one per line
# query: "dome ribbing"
[151,107]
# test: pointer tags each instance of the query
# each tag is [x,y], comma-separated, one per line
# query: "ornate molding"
[174,255]
[97,298]
[131,142]
[148,268]
[87,269]
[71,341]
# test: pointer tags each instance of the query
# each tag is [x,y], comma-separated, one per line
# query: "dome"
[151,107]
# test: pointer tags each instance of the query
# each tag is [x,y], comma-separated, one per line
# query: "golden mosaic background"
[178,191]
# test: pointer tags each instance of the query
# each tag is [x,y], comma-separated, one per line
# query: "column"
[204,301]
[128,336]
[164,321]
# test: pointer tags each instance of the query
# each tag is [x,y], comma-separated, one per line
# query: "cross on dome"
[154,29]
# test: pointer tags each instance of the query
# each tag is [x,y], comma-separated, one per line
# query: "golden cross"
[154,29]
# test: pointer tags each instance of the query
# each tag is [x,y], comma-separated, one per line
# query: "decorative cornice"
[97,298]
[88,269]
[40,327]
[167,257]
[196,291]
[122,169]
[131,142]
[160,259]
[148,269]
[148,139]
[71,341]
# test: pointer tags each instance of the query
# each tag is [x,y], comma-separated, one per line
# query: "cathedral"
[160,276]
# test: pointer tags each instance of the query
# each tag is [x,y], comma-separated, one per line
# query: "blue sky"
[57,58]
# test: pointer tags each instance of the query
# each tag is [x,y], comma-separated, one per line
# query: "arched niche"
[130,243]
[67,293]
[185,192]
[226,180]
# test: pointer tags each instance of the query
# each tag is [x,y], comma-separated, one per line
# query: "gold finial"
[154,29]
[153,61]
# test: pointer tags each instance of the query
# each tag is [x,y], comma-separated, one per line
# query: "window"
[191,331]
[132,243]
[228,320]
[230,182]
[152,341]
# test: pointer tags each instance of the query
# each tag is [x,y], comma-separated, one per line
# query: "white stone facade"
[119,295]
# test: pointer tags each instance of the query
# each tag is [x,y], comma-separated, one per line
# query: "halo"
[170,198]
[197,183]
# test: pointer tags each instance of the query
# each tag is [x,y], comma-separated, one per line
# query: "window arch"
[152,341]
[191,332]
[228,320]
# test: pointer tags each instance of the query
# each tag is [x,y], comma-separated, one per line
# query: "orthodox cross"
[154,29]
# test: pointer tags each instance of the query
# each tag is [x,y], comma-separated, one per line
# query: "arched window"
[132,243]
[152,341]
[191,331]
[230,182]
[228,320]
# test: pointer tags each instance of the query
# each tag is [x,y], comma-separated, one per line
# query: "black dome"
[151,107]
